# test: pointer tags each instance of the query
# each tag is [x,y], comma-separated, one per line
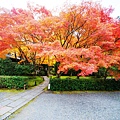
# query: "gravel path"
[83,106]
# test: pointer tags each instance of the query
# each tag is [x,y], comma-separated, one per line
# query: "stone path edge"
[15,102]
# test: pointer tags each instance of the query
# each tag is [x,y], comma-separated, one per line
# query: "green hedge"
[68,84]
[18,82]
[15,82]
[7,67]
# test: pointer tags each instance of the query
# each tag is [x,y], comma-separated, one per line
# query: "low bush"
[69,84]
[23,69]
[15,82]
[18,82]
[7,67]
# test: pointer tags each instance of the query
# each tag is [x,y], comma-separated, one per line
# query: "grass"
[85,78]
[10,90]
[34,81]
[73,77]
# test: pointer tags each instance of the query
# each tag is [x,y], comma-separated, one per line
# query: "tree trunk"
[78,77]
[105,74]
[58,75]
[48,71]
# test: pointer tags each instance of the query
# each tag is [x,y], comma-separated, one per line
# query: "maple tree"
[83,27]
[23,28]
[82,37]
[74,29]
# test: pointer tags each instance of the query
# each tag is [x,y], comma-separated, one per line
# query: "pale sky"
[52,4]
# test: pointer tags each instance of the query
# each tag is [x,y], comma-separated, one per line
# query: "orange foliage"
[83,37]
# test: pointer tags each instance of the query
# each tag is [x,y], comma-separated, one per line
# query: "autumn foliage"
[82,37]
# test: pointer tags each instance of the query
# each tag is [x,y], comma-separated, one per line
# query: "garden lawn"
[73,77]
[34,81]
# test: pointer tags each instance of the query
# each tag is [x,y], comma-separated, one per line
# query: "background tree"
[82,37]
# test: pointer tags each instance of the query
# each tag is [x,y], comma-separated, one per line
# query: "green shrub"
[23,69]
[69,84]
[15,82]
[42,73]
[18,82]
[7,67]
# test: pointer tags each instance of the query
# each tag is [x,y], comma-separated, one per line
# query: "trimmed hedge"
[18,82]
[15,82]
[69,84]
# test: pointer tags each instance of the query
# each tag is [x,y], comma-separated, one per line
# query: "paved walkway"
[12,103]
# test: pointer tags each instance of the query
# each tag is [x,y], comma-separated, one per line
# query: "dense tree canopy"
[82,37]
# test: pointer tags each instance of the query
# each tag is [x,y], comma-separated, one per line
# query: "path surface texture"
[89,105]
[11,102]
